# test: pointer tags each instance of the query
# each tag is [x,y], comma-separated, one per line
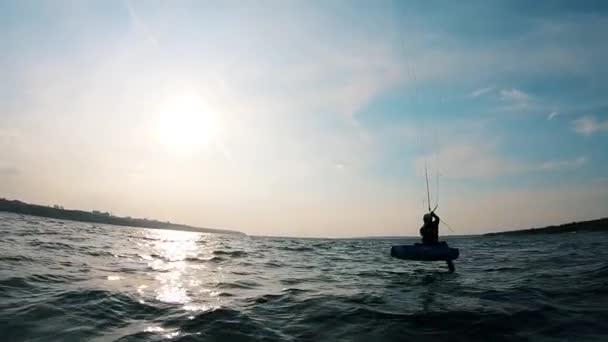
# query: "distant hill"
[59,212]
[587,226]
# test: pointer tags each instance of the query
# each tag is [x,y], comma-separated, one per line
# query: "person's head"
[427,218]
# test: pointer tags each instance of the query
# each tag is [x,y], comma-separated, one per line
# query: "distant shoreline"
[600,225]
[58,212]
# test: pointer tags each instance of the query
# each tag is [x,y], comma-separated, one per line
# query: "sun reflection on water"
[179,261]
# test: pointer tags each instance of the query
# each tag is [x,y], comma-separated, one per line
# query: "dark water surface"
[70,281]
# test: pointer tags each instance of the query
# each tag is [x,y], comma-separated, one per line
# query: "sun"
[186,123]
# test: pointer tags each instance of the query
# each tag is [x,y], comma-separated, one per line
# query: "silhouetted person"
[430,229]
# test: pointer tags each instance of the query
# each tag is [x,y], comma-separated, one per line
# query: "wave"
[223,324]
[36,280]
[59,246]
[274,264]
[296,249]
[95,253]
[293,281]
[205,260]
[16,258]
[14,284]
[232,254]
[240,284]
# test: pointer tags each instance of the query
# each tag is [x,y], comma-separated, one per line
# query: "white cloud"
[552,115]
[588,125]
[481,91]
[514,95]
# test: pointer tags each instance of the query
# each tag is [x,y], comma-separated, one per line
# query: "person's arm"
[436,218]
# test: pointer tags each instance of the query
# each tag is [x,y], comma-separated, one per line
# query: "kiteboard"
[426,252]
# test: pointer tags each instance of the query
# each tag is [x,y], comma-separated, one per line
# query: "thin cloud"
[514,95]
[473,160]
[140,26]
[588,125]
[482,91]
[478,160]
[552,115]
[554,165]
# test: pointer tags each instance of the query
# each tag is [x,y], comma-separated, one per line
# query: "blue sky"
[308,118]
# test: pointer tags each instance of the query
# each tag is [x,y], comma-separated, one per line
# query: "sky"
[308,118]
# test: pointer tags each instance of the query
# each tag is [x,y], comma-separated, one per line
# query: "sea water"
[73,281]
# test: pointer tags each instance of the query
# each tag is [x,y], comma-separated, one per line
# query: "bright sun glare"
[186,123]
